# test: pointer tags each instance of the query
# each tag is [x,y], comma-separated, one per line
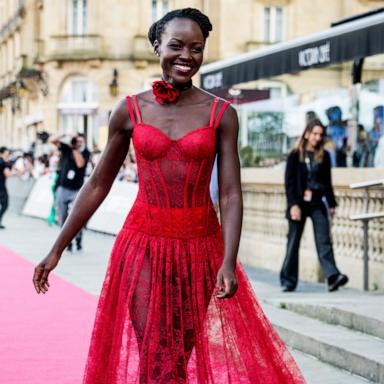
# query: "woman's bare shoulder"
[145,96]
[119,117]
[208,97]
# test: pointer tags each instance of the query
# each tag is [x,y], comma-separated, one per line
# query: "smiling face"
[315,137]
[181,50]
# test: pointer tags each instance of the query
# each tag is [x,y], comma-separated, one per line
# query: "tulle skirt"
[159,321]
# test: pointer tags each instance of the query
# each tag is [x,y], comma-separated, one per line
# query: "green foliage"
[265,139]
[248,157]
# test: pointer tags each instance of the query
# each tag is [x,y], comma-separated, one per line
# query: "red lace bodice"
[174,177]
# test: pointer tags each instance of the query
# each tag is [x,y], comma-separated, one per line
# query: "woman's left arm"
[230,200]
[329,194]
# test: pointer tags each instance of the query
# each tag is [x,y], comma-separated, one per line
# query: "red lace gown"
[158,319]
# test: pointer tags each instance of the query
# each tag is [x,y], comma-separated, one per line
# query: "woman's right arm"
[291,173]
[92,193]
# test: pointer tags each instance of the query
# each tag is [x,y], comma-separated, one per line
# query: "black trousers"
[290,269]
[64,199]
[3,203]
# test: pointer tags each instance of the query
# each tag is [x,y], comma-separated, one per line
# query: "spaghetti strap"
[220,114]
[137,110]
[213,111]
[130,109]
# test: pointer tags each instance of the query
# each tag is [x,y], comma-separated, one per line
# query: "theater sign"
[320,54]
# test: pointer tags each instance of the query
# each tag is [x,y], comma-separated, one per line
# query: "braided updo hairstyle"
[157,28]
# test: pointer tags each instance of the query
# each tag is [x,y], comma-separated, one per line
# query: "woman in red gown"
[170,311]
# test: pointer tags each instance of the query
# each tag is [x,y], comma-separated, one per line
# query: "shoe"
[79,247]
[69,247]
[337,282]
[287,289]
[2,226]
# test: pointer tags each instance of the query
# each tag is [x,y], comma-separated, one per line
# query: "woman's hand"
[40,277]
[295,213]
[226,282]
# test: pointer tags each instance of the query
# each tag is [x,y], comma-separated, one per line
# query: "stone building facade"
[65,63]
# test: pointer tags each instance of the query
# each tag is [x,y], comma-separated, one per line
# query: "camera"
[74,142]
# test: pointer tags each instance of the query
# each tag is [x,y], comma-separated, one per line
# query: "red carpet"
[44,339]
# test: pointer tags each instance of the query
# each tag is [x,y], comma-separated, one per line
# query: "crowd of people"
[368,149]
[29,165]
[67,161]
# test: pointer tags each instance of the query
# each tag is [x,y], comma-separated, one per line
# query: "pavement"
[28,240]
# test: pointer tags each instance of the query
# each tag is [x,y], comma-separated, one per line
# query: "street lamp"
[36,75]
[114,85]
[21,89]
[235,93]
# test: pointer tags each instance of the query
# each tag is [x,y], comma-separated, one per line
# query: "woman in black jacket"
[307,183]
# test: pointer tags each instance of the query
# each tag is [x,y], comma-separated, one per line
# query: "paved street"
[31,239]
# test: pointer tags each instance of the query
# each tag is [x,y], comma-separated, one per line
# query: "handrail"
[367,184]
[365,217]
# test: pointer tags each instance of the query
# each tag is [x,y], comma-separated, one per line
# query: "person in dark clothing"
[5,172]
[73,162]
[307,183]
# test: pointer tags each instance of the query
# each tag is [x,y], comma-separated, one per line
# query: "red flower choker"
[166,93]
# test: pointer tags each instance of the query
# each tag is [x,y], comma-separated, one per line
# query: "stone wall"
[265,227]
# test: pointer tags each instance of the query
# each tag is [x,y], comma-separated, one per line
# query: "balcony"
[14,22]
[74,47]
[142,50]
[252,45]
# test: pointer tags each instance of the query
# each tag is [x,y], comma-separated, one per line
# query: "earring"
[157,53]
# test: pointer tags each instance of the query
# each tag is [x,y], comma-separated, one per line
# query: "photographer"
[308,185]
[74,157]
[5,172]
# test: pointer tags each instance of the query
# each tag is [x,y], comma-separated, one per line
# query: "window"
[159,9]
[78,17]
[78,107]
[78,89]
[273,21]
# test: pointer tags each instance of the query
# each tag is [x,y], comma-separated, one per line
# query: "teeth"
[183,68]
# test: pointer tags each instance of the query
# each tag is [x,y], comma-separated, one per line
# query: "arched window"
[78,107]
[78,89]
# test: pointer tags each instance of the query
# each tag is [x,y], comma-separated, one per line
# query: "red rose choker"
[166,93]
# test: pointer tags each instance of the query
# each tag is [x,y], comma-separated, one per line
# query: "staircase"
[334,333]
[336,338]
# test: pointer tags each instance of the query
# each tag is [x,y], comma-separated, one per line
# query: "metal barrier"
[365,217]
